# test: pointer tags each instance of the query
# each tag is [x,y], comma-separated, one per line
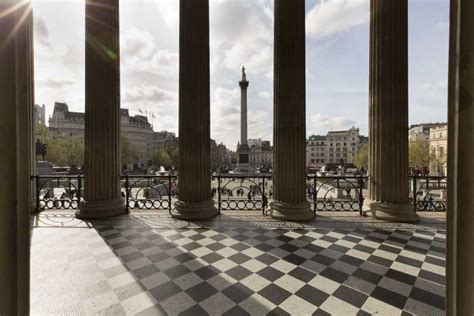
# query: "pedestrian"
[264,201]
[249,195]
[431,205]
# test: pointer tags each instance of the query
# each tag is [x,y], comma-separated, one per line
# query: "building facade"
[64,123]
[421,131]
[261,153]
[335,147]
[438,139]
[39,115]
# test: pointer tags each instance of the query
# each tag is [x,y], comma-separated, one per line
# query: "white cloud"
[321,124]
[145,93]
[333,16]
[264,95]
[242,33]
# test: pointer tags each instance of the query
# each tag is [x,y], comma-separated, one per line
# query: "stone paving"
[237,264]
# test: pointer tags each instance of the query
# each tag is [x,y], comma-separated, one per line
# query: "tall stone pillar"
[243,84]
[194,186]
[102,121]
[460,215]
[16,106]
[289,130]
[388,112]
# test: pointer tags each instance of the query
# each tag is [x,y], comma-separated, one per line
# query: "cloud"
[333,16]
[321,124]
[242,33]
[264,95]
[54,83]
[144,94]
[140,53]
[41,31]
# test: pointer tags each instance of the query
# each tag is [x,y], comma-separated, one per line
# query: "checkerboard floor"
[112,268]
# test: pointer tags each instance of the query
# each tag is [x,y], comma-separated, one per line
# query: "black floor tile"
[274,294]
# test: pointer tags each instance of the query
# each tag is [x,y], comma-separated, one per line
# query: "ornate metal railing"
[428,193]
[149,192]
[242,192]
[237,192]
[336,193]
[58,192]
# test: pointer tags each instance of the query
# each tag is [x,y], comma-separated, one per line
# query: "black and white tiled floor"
[131,267]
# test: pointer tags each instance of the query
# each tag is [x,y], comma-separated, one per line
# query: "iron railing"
[241,192]
[428,193]
[237,192]
[149,192]
[336,193]
[58,192]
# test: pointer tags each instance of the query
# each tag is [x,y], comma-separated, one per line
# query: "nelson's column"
[243,149]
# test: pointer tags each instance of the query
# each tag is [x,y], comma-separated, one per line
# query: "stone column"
[460,215]
[243,84]
[102,121]
[388,112]
[17,99]
[194,186]
[289,130]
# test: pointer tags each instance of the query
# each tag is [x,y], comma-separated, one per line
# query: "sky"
[241,33]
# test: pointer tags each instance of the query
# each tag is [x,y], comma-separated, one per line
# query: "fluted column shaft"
[388,111]
[194,186]
[16,108]
[102,120]
[289,131]
[460,215]
[243,112]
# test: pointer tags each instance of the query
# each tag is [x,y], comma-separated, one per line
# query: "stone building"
[333,147]
[164,139]
[421,131]
[316,150]
[65,123]
[261,153]
[438,139]
[39,115]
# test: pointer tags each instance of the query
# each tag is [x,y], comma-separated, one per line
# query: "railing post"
[219,192]
[264,198]
[169,193]
[414,193]
[361,196]
[315,193]
[79,189]
[337,183]
[127,194]
[38,189]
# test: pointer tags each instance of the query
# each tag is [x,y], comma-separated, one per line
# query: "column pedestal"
[394,212]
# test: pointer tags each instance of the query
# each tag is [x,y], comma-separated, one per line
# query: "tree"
[162,158]
[361,158]
[128,152]
[419,154]
[73,151]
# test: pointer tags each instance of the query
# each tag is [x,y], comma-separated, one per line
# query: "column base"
[296,212]
[390,211]
[102,209]
[194,210]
